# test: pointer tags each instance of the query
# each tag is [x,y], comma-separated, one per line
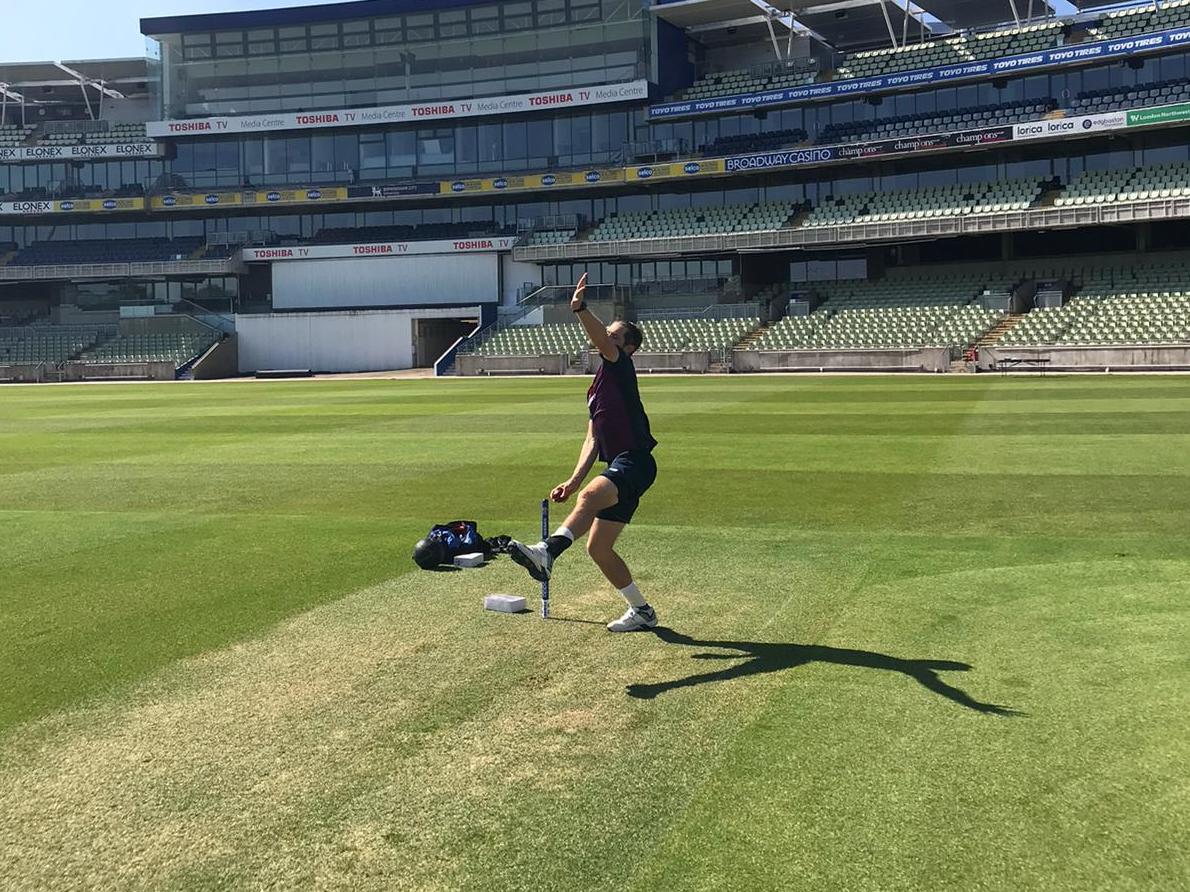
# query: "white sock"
[633,596]
[564,531]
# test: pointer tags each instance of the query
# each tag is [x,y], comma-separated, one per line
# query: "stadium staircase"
[1001,328]
[748,341]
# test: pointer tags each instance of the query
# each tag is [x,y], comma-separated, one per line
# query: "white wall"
[350,341]
[515,274]
[386,281]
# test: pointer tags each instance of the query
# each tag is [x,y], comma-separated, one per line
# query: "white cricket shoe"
[634,620]
[534,558]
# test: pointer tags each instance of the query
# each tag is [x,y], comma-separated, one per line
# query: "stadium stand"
[918,204]
[179,348]
[1143,19]
[728,83]
[1164,93]
[550,236]
[1130,184]
[112,133]
[755,142]
[85,251]
[672,335]
[1120,303]
[535,340]
[951,50]
[48,343]
[968,118]
[13,135]
[694,221]
[911,309]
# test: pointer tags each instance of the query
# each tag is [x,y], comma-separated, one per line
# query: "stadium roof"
[857,23]
[295,15]
[963,14]
[111,71]
[843,23]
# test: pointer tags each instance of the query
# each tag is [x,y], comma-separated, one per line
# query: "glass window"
[402,148]
[452,23]
[517,16]
[254,157]
[419,27]
[466,145]
[292,40]
[324,37]
[298,150]
[490,142]
[584,10]
[436,146]
[371,151]
[346,152]
[322,154]
[551,12]
[356,34]
[515,140]
[485,20]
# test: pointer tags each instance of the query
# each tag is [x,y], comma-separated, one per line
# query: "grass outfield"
[923,634]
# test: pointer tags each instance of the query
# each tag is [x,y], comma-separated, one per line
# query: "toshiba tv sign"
[447,109]
[381,249]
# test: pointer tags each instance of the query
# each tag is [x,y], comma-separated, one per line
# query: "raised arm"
[595,329]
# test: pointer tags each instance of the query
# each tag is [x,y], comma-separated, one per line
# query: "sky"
[97,29]
[110,29]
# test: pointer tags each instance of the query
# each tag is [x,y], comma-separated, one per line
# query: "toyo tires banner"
[1062,55]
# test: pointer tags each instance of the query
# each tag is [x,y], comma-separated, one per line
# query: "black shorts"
[633,473]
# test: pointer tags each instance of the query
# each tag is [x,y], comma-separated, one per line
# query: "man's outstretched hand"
[577,300]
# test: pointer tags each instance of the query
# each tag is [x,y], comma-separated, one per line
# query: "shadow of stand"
[761,657]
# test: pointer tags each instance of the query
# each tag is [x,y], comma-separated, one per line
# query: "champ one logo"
[692,167]
[592,176]
[273,196]
[549,179]
[500,183]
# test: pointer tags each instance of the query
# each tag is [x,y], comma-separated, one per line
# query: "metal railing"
[120,270]
[930,227]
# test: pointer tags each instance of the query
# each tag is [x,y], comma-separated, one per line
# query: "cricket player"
[618,433]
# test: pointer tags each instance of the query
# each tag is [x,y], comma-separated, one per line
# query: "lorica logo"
[273,196]
[109,205]
[457,187]
[549,179]
[692,167]
[314,194]
[593,176]
[501,183]
[644,172]
[211,199]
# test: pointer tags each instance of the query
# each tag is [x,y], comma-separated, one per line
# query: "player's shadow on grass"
[758,658]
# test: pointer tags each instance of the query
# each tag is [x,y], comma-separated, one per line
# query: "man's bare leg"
[601,546]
